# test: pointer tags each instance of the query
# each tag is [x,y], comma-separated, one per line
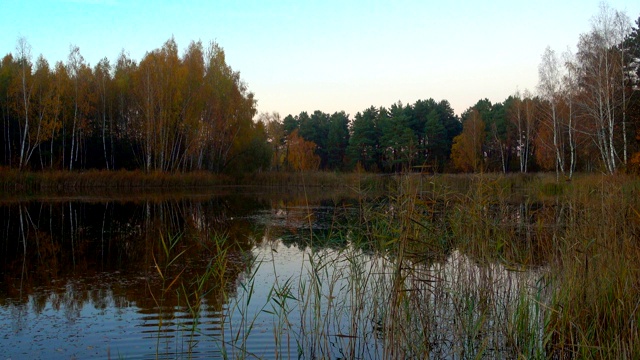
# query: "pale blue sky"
[326,55]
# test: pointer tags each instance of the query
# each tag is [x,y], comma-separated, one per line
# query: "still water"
[95,277]
[234,274]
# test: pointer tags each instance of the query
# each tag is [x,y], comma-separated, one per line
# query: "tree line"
[193,112]
[165,113]
[398,138]
[584,115]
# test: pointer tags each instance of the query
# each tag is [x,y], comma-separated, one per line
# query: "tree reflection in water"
[195,276]
[147,276]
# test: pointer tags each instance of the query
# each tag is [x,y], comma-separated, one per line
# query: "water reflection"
[198,276]
[142,278]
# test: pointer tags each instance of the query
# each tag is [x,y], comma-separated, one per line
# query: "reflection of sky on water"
[112,331]
[90,333]
[109,313]
[106,332]
[95,314]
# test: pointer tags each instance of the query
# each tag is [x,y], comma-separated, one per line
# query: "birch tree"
[80,75]
[275,136]
[102,74]
[601,74]
[63,87]
[189,148]
[23,52]
[229,110]
[7,74]
[549,88]
[516,114]
[622,27]
[143,123]
[46,109]
[125,105]
[570,93]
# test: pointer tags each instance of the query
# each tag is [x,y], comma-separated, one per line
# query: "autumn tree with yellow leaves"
[169,112]
[301,153]
[466,151]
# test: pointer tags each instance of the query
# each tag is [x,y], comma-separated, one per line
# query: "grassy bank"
[15,181]
[12,181]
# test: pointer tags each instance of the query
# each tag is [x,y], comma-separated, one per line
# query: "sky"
[326,55]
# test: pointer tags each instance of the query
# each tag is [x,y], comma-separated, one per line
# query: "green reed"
[167,280]
[180,288]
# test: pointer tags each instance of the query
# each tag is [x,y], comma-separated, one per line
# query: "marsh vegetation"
[431,267]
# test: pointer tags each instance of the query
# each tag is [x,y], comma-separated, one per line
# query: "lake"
[248,273]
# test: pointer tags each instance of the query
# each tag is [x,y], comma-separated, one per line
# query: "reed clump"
[543,269]
[452,266]
[183,291]
[583,237]
[595,305]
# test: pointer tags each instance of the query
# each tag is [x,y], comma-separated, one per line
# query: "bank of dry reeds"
[498,266]
[582,236]
[13,181]
[594,311]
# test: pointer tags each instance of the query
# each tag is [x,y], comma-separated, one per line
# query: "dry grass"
[12,181]
[584,234]
[509,266]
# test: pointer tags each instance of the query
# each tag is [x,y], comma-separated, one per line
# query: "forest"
[166,113]
[173,112]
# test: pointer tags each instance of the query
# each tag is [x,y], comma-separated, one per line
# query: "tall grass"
[506,267]
[596,297]
[461,267]
[582,237]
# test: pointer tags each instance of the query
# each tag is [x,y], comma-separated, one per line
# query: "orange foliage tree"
[466,151]
[301,153]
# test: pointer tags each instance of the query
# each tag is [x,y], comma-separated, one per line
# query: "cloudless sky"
[326,55]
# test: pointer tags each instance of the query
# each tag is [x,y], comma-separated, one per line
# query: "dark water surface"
[94,277]
[249,273]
